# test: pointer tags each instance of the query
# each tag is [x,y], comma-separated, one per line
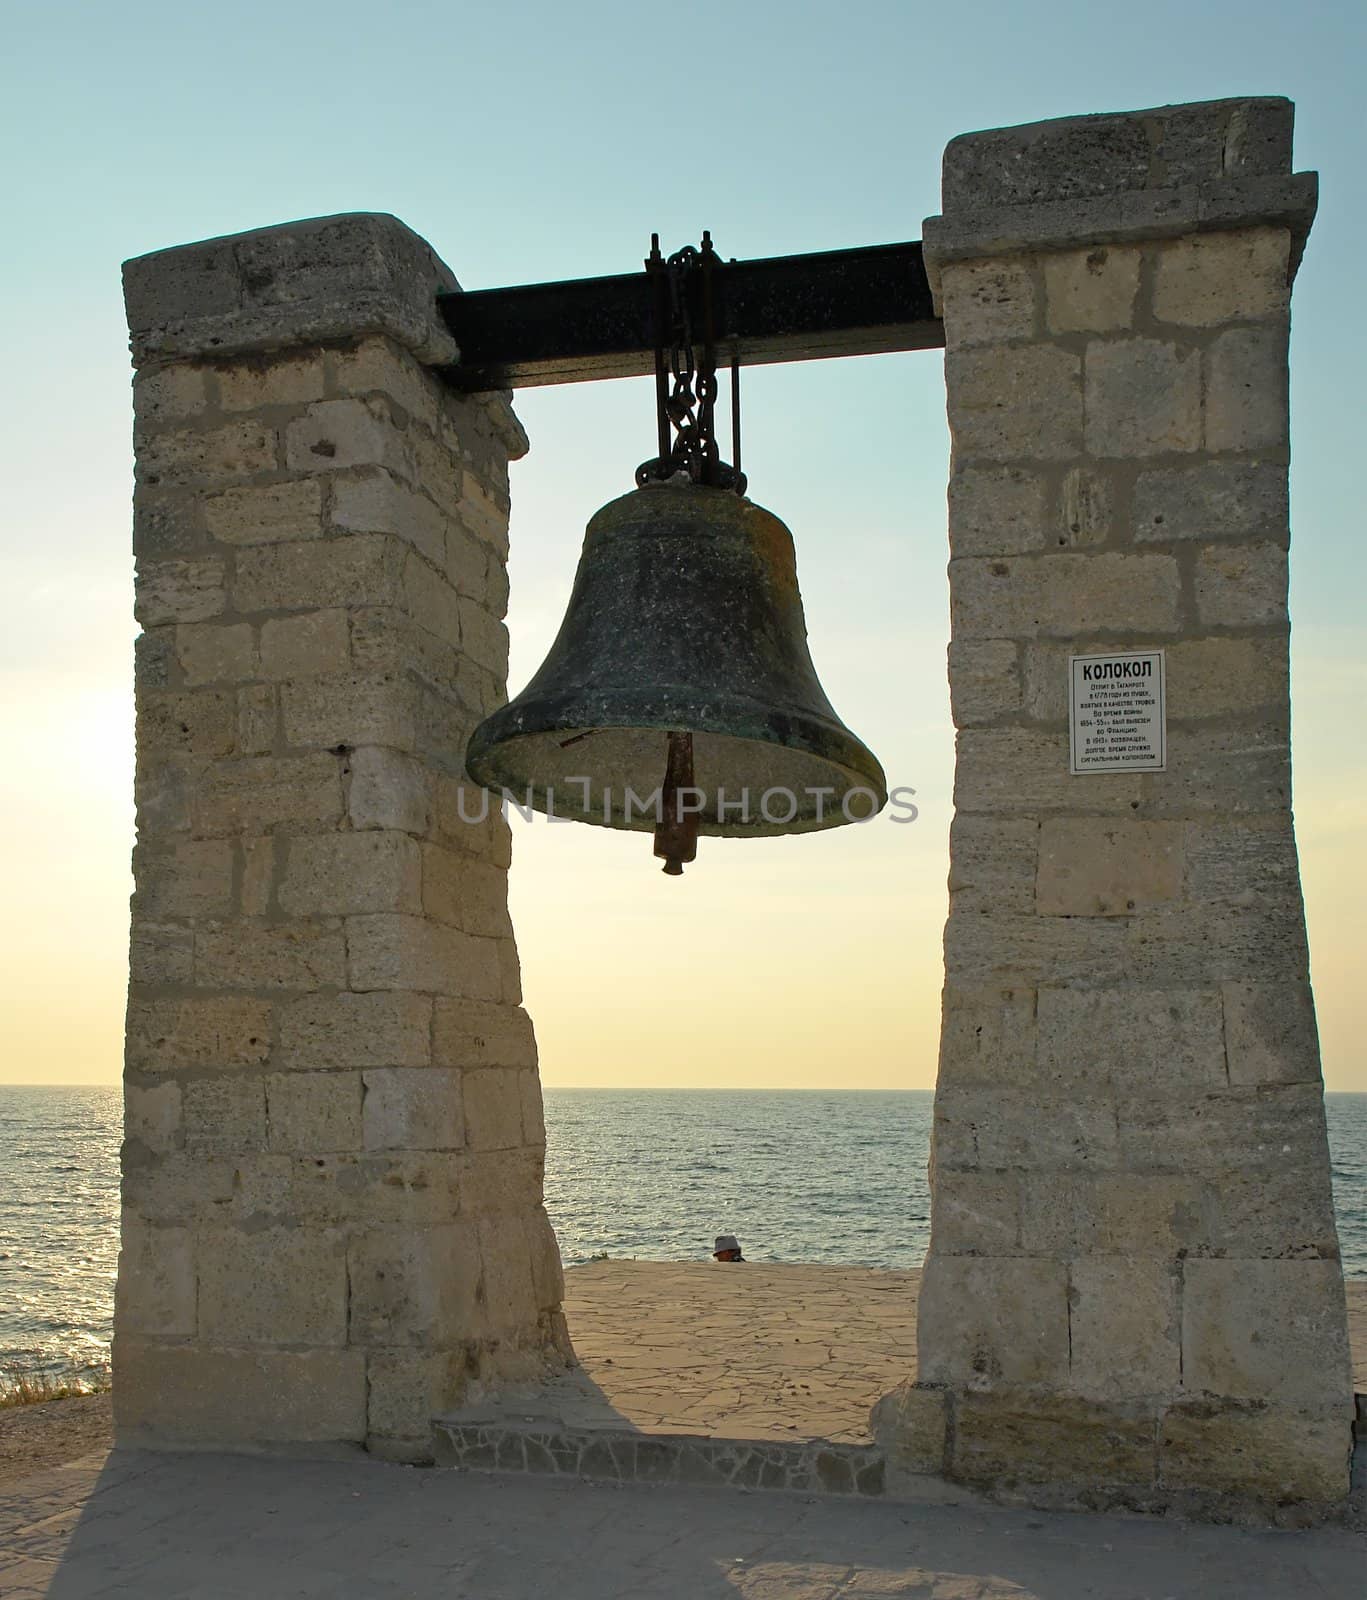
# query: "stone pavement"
[212,1527]
[752,1351]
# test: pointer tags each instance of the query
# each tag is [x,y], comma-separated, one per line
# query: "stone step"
[569,1428]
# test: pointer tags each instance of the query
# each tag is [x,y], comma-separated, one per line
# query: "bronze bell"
[679,694]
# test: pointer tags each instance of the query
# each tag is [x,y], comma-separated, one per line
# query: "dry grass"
[35,1388]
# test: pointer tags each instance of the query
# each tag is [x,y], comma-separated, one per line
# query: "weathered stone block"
[234,451]
[472,819]
[345,1189]
[1212,278]
[356,570]
[313,1113]
[399,952]
[151,1115]
[483,637]
[469,1034]
[356,1030]
[1123,1330]
[987,302]
[333,874]
[413,1108]
[984,680]
[163,395]
[357,709]
[1271,1033]
[510,1301]
[987,1034]
[909,1426]
[1152,1215]
[533,1107]
[1062,158]
[1267,1209]
[160,953]
[1212,500]
[1216,769]
[1278,1455]
[1226,677]
[380,366]
[975,1213]
[179,1187]
[548,1274]
[1023,951]
[190,1394]
[276,1286]
[258,717]
[510,972]
[1106,866]
[156,1283]
[1044,669]
[168,524]
[483,512]
[225,1115]
[1248,862]
[308,283]
[190,878]
[310,645]
[468,894]
[414,1286]
[335,434]
[1008,1439]
[996,511]
[992,863]
[202,723]
[272,955]
[406,1389]
[388,790]
[268,514]
[1086,508]
[257,882]
[218,1031]
[376,502]
[1139,1038]
[1272,1331]
[999,1319]
[1216,944]
[211,652]
[1268,1127]
[1246,389]
[1143,398]
[473,570]
[1022,403]
[1240,586]
[179,591]
[493,1109]
[1062,595]
[279,380]
[1002,1128]
[1091,291]
[258,793]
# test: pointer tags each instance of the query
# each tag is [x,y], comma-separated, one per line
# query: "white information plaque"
[1117,712]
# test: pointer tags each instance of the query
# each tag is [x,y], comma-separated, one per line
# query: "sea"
[651,1173]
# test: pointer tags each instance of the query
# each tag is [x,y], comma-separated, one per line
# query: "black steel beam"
[788,308]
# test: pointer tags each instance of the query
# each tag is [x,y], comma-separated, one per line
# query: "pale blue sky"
[545,141]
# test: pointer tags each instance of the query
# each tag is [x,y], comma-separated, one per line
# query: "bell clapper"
[676,833]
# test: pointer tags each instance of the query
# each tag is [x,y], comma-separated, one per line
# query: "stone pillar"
[333,1219]
[1133,1293]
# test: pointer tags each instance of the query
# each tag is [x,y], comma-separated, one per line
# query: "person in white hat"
[726,1247]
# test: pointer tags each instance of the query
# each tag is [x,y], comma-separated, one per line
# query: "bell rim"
[806,735]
